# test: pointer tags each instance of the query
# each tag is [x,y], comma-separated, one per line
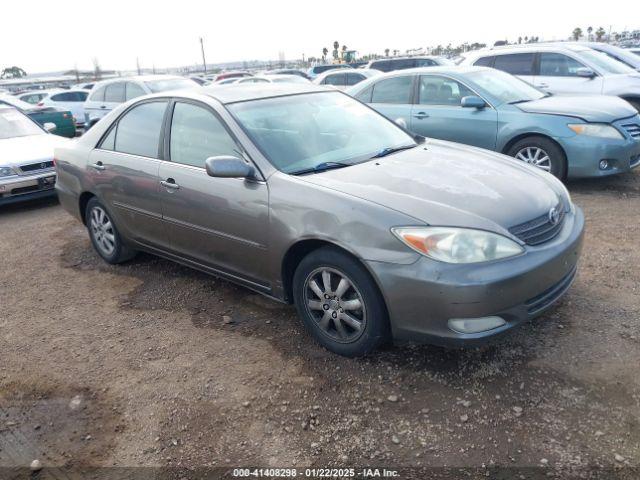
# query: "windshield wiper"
[389,150]
[321,167]
[524,100]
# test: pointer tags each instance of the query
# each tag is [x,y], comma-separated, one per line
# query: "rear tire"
[542,153]
[339,303]
[104,234]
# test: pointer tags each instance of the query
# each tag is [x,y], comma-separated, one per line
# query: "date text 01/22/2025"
[315,472]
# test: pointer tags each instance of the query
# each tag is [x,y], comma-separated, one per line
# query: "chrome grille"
[632,129]
[540,229]
[34,167]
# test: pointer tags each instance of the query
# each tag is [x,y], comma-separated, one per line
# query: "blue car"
[568,136]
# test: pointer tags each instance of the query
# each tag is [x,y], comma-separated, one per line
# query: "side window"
[393,90]
[114,93]
[365,95]
[383,66]
[558,65]
[335,79]
[138,131]
[98,95]
[197,134]
[133,91]
[81,96]
[425,62]
[441,91]
[353,78]
[484,62]
[516,64]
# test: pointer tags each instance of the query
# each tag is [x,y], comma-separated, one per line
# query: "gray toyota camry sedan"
[310,197]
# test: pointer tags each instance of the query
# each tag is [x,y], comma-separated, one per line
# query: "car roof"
[530,47]
[134,78]
[443,69]
[243,92]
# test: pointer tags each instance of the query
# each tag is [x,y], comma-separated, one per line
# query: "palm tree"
[386,52]
[589,30]
[519,40]
[599,34]
[577,33]
[396,52]
[336,46]
[526,39]
[325,52]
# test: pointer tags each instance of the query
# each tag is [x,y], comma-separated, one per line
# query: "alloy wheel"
[102,231]
[336,304]
[535,156]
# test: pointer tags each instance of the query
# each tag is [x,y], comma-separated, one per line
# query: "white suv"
[563,69]
[108,94]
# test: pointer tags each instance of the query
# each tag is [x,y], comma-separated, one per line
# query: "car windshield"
[15,124]
[170,84]
[605,63]
[303,132]
[505,87]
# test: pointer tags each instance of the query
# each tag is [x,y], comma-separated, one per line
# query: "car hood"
[590,108]
[33,148]
[447,184]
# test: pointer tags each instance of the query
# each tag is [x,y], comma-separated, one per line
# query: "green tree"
[325,52]
[336,46]
[577,33]
[599,34]
[386,52]
[13,72]
[589,31]
[519,40]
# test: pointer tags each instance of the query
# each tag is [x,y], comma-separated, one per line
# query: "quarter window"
[484,61]
[337,79]
[442,91]
[353,78]
[98,95]
[516,64]
[365,95]
[393,90]
[558,65]
[138,131]
[197,134]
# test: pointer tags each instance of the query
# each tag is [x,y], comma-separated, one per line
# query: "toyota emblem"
[554,216]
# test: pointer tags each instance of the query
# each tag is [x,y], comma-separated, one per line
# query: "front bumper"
[585,153]
[27,187]
[422,297]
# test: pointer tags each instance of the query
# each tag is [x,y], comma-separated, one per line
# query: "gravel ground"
[151,364]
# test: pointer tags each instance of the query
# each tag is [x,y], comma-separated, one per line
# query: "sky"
[50,36]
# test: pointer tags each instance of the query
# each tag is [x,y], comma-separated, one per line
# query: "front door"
[558,73]
[392,98]
[437,113]
[218,222]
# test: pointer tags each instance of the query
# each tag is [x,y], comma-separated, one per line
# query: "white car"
[26,157]
[278,78]
[35,96]
[108,94]
[72,100]
[345,77]
[558,68]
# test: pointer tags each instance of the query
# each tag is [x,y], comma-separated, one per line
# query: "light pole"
[204,62]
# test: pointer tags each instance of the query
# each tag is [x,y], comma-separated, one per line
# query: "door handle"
[420,115]
[98,166]
[103,106]
[170,183]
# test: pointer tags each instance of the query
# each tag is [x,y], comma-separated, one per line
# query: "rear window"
[515,64]
[114,93]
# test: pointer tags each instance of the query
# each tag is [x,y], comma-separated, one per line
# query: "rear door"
[218,222]
[438,114]
[558,74]
[392,97]
[124,169]
[519,64]
[104,99]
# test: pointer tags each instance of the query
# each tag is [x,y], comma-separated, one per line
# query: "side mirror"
[227,166]
[472,101]
[585,72]
[50,127]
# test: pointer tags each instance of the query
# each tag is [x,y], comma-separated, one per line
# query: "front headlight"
[457,245]
[7,172]
[600,130]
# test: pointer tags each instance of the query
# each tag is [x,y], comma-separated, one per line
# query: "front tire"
[339,303]
[542,153]
[104,235]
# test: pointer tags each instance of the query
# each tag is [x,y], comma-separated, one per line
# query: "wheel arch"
[300,249]
[521,136]
[83,200]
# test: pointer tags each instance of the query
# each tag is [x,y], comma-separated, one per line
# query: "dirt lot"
[134,366]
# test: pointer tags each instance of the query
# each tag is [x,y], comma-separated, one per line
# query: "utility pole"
[138,65]
[204,62]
